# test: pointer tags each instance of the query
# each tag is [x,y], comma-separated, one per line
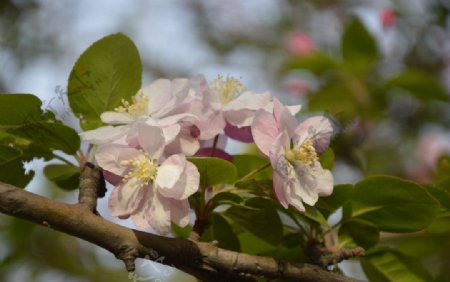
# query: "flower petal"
[264,130]
[104,134]
[325,183]
[243,134]
[169,173]
[151,139]
[305,185]
[179,212]
[319,129]
[116,118]
[241,111]
[110,157]
[126,198]
[155,212]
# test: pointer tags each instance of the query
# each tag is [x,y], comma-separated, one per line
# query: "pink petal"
[125,199]
[186,184]
[279,186]
[243,134]
[241,111]
[179,212]
[169,173]
[264,131]
[155,213]
[151,139]
[318,128]
[218,153]
[110,157]
[112,178]
[284,118]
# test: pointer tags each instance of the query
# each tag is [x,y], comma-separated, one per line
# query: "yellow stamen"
[144,169]
[304,153]
[227,88]
[137,108]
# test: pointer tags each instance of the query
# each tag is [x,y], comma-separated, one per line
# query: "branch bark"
[203,260]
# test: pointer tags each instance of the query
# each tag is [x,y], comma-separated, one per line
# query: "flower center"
[227,88]
[137,107]
[304,153]
[144,169]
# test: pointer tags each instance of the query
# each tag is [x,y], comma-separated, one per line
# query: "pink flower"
[154,190]
[293,150]
[388,17]
[233,107]
[300,43]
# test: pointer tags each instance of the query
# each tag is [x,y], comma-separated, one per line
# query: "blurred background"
[379,69]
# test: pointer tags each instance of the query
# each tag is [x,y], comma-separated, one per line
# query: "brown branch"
[92,186]
[323,256]
[203,260]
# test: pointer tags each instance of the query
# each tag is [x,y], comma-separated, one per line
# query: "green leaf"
[314,214]
[260,218]
[327,159]
[66,177]
[317,63]
[11,167]
[214,171]
[440,194]
[389,265]
[223,233]
[341,195]
[223,198]
[107,72]
[179,231]
[393,204]
[21,116]
[17,109]
[253,245]
[357,232]
[419,84]
[358,46]
[246,164]
[261,188]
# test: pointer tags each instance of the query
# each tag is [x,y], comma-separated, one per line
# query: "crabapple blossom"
[153,190]
[238,107]
[293,150]
[300,43]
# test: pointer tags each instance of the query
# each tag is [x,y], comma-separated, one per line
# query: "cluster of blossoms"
[143,150]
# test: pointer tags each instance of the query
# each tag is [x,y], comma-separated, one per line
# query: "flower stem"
[216,140]
[253,173]
[63,159]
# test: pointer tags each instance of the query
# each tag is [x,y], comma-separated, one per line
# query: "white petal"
[151,139]
[325,183]
[155,213]
[104,134]
[169,173]
[305,185]
[126,198]
[110,157]
[240,112]
[179,212]
[318,128]
[295,109]
[116,118]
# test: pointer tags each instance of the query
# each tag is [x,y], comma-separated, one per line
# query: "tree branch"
[203,260]
[92,186]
